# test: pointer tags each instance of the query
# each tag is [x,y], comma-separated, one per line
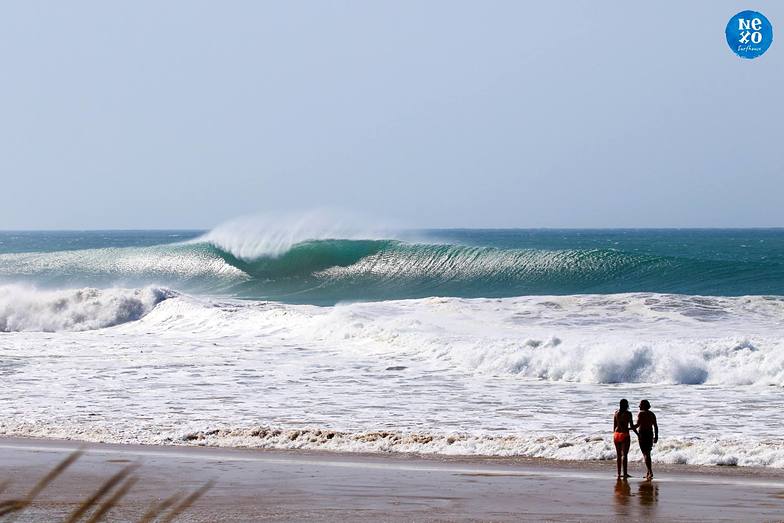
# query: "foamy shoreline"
[566,448]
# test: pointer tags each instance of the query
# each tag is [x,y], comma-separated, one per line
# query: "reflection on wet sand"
[623,491]
[647,495]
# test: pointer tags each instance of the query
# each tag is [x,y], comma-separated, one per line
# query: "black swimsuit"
[645,437]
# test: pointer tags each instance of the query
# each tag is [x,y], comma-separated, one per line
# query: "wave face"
[291,267]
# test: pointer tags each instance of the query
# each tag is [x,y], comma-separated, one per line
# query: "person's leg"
[619,454]
[626,444]
[648,464]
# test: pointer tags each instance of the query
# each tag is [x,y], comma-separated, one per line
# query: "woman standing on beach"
[622,424]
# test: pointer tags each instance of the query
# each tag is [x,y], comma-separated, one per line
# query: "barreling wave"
[328,271]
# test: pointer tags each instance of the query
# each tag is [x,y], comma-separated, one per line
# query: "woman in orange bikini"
[622,424]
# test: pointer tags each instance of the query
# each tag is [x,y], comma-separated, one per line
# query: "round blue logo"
[749,34]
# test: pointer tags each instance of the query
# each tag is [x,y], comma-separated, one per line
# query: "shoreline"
[771,473]
[337,486]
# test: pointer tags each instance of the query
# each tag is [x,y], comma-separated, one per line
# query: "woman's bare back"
[622,421]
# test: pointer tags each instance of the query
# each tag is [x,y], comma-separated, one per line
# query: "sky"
[426,113]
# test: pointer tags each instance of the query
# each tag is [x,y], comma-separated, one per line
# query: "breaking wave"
[28,309]
[319,258]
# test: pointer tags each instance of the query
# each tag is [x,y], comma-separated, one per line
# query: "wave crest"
[260,236]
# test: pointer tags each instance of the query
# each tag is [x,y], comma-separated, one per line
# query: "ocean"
[480,342]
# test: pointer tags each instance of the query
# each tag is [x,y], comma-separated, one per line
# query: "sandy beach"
[278,486]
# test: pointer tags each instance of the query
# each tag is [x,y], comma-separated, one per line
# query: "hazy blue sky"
[478,114]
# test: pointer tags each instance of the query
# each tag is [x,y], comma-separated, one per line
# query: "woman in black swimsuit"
[648,433]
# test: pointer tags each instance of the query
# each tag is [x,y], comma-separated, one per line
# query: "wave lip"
[29,309]
[253,237]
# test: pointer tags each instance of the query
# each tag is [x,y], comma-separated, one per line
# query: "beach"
[272,485]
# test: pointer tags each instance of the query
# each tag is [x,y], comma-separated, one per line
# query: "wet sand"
[252,485]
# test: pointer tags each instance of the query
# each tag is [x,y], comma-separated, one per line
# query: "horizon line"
[546,228]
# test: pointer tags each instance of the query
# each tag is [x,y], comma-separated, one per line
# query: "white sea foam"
[726,451]
[532,376]
[722,451]
[25,308]
[585,339]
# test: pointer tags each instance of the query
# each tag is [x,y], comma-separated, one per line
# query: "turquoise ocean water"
[457,263]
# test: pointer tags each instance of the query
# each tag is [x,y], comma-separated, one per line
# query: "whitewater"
[505,343]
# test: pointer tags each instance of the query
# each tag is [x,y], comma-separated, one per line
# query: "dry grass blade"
[16,505]
[158,508]
[107,505]
[117,485]
[12,505]
[52,475]
[101,492]
[187,502]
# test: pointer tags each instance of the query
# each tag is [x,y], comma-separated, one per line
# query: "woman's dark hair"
[624,405]
[645,405]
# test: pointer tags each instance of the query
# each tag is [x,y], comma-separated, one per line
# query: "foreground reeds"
[95,507]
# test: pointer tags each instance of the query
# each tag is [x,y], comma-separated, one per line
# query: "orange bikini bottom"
[620,437]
